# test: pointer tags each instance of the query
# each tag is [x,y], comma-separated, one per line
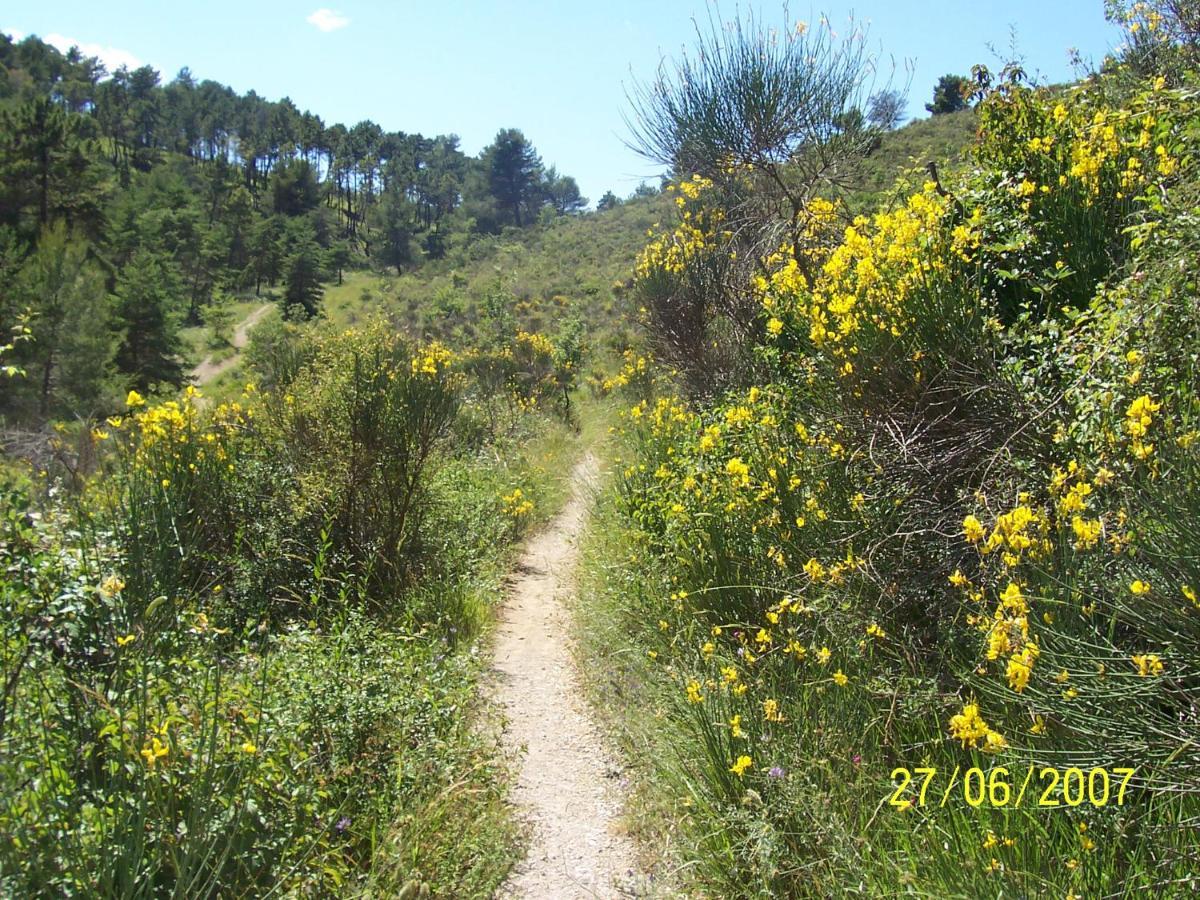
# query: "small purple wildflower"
[775,772]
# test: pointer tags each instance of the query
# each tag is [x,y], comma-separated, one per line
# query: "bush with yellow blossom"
[945,525]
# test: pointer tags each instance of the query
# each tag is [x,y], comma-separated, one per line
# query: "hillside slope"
[580,266]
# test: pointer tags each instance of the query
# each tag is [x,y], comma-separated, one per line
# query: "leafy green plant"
[220,672]
[942,530]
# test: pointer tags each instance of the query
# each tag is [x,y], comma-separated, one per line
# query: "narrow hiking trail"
[208,369]
[567,788]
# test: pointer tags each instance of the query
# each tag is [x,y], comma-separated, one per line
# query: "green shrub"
[945,528]
[238,660]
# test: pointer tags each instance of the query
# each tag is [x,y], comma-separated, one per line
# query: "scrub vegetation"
[890,589]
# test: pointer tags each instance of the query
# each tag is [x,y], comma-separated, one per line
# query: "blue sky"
[556,70]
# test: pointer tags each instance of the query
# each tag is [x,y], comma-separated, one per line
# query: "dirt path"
[567,784]
[208,370]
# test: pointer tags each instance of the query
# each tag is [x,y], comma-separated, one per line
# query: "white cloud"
[327,20]
[112,57]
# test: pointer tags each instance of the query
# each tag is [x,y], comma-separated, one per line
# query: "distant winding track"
[208,369]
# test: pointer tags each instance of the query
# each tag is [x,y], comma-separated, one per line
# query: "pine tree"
[147,319]
[68,362]
[562,192]
[302,281]
[265,252]
[394,221]
[514,172]
[949,95]
[337,257]
[45,171]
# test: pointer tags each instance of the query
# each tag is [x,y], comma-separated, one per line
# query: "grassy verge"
[819,818]
[623,686]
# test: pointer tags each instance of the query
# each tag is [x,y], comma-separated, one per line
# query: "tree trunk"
[47,373]
[44,183]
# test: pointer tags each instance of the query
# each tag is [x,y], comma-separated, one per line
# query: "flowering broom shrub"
[236,662]
[948,529]
[358,428]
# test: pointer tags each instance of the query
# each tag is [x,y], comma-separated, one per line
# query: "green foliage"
[226,192]
[358,426]
[294,188]
[64,293]
[514,175]
[488,287]
[1061,179]
[759,121]
[943,141]
[238,660]
[277,353]
[950,95]
[218,318]
[18,333]
[563,193]
[302,290]
[266,253]
[1162,36]
[337,258]
[944,527]
[751,95]
[148,322]
[46,170]
[396,226]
